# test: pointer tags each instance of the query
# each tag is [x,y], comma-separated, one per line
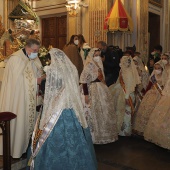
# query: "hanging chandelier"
[73,6]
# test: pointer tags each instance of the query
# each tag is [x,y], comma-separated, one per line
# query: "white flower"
[46,68]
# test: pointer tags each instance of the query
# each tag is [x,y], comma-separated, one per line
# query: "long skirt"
[123,110]
[158,128]
[145,109]
[68,147]
[100,114]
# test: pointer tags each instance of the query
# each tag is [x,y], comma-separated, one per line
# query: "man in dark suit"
[110,63]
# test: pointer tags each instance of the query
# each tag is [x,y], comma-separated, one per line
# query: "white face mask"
[97,58]
[153,53]
[164,61]
[157,72]
[33,56]
[76,42]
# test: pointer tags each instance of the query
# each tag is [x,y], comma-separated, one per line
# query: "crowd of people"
[90,96]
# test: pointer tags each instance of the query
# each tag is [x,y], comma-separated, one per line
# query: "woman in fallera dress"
[123,94]
[151,98]
[97,100]
[166,61]
[61,139]
[143,74]
[158,127]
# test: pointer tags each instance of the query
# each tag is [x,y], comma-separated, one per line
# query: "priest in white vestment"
[18,94]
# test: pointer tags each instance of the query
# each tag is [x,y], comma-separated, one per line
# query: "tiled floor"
[130,153]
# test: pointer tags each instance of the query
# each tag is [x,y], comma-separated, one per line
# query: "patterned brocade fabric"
[68,146]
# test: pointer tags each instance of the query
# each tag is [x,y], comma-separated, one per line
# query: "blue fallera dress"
[68,147]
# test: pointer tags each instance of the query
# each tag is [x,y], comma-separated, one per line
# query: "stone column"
[165,26]
[74,24]
[93,24]
[168,36]
[5,17]
[142,29]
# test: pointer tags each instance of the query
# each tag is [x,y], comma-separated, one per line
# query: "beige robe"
[18,95]
[72,52]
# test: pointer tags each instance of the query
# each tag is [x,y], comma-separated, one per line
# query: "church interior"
[145,24]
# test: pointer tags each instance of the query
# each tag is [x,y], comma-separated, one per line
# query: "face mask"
[33,56]
[157,72]
[164,61]
[97,58]
[126,64]
[153,53]
[76,42]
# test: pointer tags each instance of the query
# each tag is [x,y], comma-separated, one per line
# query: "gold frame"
[158,3]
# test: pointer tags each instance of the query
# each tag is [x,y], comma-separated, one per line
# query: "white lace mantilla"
[62,88]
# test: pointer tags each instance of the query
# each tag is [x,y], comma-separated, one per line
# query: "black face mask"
[103,50]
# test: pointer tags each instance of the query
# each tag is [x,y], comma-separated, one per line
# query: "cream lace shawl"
[144,74]
[129,74]
[162,80]
[90,71]
[62,88]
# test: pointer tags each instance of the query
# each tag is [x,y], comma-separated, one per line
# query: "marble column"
[142,29]
[94,22]
[74,24]
[165,27]
[5,16]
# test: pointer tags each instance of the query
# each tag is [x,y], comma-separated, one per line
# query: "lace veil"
[144,74]
[163,78]
[140,63]
[129,73]
[90,71]
[62,88]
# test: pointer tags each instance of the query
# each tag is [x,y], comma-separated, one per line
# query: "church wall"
[89,21]
[50,7]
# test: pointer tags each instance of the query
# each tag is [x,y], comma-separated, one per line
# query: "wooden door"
[54,31]
[61,32]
